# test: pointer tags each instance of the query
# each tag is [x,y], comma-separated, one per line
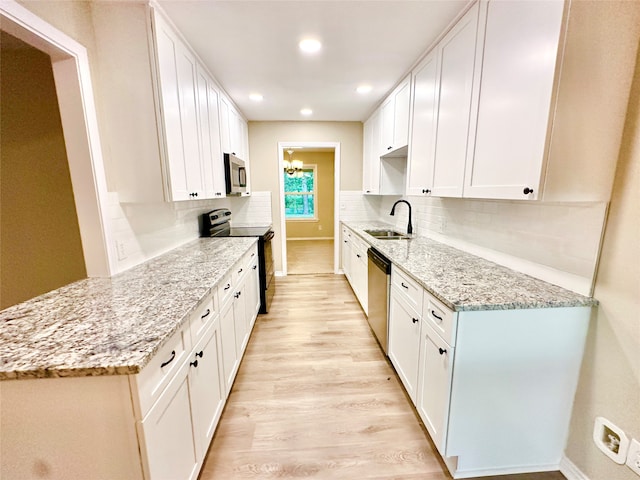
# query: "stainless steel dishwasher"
[379,268]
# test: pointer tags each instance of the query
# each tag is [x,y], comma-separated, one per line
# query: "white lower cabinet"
[206,387]
[434,384]
[252,290]
[230,359]
[177,430]
[355,265]
[166,434]
[404,338]
[488,382]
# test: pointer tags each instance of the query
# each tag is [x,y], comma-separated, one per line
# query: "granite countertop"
[112,326]
[463,281]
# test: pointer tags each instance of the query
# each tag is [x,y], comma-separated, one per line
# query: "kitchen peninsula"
[125,377]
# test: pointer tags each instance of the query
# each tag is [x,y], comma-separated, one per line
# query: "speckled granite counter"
[463,281]
[108,326]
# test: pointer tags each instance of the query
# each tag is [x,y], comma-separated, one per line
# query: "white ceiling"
[252,46]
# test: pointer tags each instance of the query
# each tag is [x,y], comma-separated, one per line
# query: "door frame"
[282,147]
[70,64]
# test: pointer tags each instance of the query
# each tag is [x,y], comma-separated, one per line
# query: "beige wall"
[323,226]
[263,148]
[40,247]
[610,378]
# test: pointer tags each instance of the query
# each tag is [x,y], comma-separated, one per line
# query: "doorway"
[74,91]
[309,193]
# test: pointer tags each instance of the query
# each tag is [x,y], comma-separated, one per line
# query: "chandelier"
[293,167]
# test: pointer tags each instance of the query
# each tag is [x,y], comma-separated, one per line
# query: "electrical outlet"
[120,248]
[633,457]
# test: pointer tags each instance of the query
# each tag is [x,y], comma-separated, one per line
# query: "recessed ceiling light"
[306,111]
[256,97]
[310,45]
[362,89]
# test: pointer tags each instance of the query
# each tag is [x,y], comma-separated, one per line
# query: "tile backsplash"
[144,231]
[558,242]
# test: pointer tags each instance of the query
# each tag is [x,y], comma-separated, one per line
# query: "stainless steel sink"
[387,235]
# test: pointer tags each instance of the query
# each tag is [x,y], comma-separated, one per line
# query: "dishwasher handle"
[382,262]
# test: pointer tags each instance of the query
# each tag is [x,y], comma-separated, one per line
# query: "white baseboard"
[294,239]
[569,470]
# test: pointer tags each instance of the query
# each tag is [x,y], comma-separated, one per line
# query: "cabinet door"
[167,434]
[206,388]
[402,99]
[386,132]
[219,188]
[457,54]
[178,88]
[225,131]
[229,352]
[517,72]
[240,317]
[423,129]
[206,144]
[404,342]
[346,255]
[186,67]
[371,163]
[235,133]
[436,366]
[253,293]
[167,46]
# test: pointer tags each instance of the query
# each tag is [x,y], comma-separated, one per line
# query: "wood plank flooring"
[316,398]
[309,256]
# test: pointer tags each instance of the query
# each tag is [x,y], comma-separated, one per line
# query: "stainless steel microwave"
[235,173]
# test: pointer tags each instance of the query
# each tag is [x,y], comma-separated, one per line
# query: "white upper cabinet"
[423,127]
[233,130]
[395,118]
[371,154]
[457,52]
[211,153]
[516,65]
[177,76]
[163,124]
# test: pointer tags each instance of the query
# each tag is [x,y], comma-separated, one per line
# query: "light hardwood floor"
[316,398]
[309,256]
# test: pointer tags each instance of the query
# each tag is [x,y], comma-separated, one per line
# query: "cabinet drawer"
[243,265]
[154,378]
[443,320]
[411,290]
[225,289]
[203,317]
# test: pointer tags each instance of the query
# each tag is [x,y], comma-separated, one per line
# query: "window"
[300,194]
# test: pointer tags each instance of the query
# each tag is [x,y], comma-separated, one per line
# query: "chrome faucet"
[393,212]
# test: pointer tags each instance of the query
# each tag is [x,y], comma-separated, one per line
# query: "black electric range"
[216,223]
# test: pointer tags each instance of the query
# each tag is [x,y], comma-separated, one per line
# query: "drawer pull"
[194,363]
[206,314]
[436,316]
[405,286]
[442,351]
[253,254]
[415,320]
[237,295]
[255,266]
[173,356]
[240,271]
[227,287]
[199,354]
[358,255]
